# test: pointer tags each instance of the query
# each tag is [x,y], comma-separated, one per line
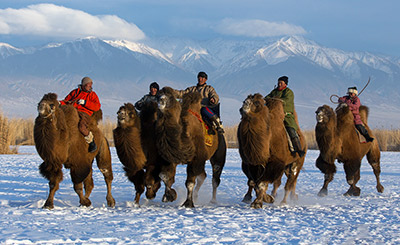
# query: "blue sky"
[351,25]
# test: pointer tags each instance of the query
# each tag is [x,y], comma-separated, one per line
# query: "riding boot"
[217,124]
[364,132]
[90,140]
[294,137]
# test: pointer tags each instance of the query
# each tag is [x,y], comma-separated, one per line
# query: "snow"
[335,219]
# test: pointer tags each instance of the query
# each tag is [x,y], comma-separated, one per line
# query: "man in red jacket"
[353,102]
[86,102]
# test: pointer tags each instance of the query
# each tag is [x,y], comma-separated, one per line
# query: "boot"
[294,137]
[217,124]
[90,140]
[364,132]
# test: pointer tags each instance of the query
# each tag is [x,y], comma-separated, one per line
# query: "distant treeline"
[16,132]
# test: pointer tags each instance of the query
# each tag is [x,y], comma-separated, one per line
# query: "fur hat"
[86,80]
[202,74]
[352,90]
[284,79]
[155,85]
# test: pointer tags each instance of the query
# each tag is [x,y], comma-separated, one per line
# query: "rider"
[209,102]
[286,94]
[352,100]
[86,101]
[151,96]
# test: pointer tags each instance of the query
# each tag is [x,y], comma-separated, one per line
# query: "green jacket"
[287,96]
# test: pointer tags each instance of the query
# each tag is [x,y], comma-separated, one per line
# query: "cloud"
[57,21]
[257,28]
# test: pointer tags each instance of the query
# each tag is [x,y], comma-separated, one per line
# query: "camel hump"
[189,99]
[364,113]
[98,115]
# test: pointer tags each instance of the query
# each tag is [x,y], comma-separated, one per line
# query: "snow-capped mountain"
[122,71]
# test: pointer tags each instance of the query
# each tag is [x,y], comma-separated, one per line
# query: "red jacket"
[92,102]
[354,106]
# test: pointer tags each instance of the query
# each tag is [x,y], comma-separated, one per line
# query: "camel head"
[167,99]
[252,104]
[126,115]
[48,105]
[324,114]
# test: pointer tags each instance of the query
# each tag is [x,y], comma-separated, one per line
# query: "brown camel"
[337,139]
[181,139]
[264,149]
[59,142]
[194,133]
[128,144]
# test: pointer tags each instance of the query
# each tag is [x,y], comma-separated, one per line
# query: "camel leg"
[292,172]
[218,163]
[152,180]
[199,182]
[373,157]
[103,160]
[261,189]
[329,169]
[55,175]
[193,169]
[137,178]
[167,175]
[276,185]
[352,170]
[77,177]
[88,184]
[247,198]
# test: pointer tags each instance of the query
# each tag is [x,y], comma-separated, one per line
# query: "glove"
[80,102]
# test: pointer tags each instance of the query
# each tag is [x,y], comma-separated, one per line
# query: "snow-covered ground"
[369,219]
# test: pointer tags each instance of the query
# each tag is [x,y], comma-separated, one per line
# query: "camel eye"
[52,106]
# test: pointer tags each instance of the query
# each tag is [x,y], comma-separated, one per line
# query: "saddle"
[360,137]
[208,138]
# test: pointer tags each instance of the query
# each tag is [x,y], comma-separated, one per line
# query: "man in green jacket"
[286,94]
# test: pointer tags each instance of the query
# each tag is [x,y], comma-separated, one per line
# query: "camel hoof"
[213,201]
[188,204]
[169,196]
[294,197]
[48,206]
[380,188]
[85,202]
[353,192]
[111,202]
[150,194]
[269,199]
[256,205]
[247,199]
[323,193]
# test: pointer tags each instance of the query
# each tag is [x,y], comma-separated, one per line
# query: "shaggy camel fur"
[180,137]
[129,147]
[337,139]
[59,142]
[263,147]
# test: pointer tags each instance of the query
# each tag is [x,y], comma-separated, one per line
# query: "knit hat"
[352,90]
[285,79]
[86,80]
[155,85]
[202,74]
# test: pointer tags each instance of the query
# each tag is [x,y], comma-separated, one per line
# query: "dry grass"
[16,132]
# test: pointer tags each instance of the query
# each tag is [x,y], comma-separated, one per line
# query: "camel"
[128,144]
[264,149]
[185,142]
[194,133]
[337,139]
[59,143]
